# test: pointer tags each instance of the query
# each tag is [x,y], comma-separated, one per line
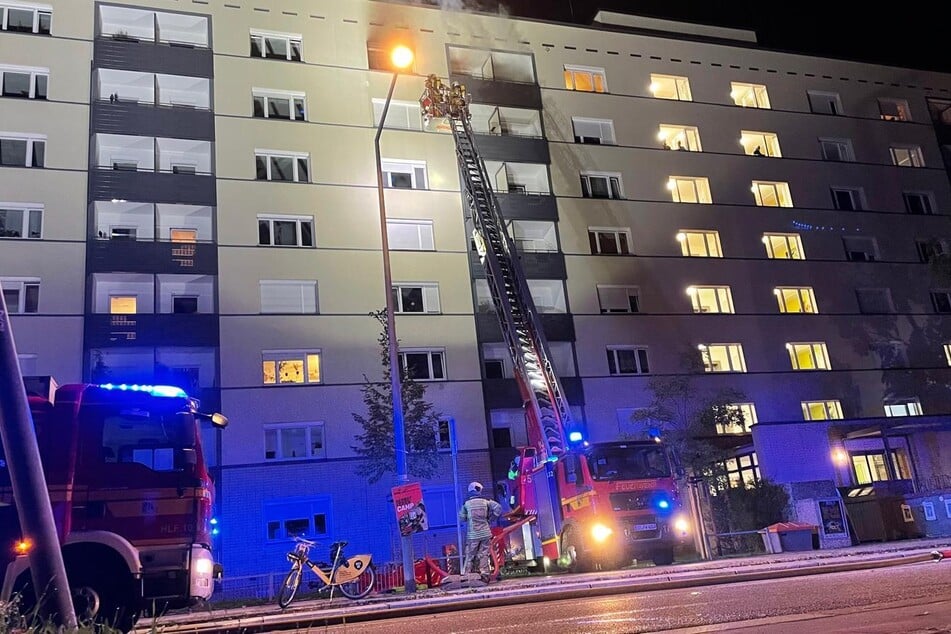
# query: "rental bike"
[354,576]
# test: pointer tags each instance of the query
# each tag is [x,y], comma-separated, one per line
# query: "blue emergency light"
[155,390]
[575,436]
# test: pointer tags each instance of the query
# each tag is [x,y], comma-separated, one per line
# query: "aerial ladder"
[547,411]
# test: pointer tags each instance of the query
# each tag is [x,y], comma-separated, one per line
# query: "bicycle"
[355,576]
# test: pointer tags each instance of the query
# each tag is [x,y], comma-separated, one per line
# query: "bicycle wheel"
[289,587]
[361,586]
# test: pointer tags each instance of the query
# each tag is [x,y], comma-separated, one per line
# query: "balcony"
[151,330]
[194,369]
[133,256]
[496,77]
[154,105]
[526,206]
[504,393]
[509,134]
[154,41]
[557,327]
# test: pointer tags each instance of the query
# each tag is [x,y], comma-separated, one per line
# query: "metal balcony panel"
[527,206]
[501,93]
[153,58]
[159,330]
[192,258]
[521,149]
[153,121]
[504,393]
[556,326]
[189,189]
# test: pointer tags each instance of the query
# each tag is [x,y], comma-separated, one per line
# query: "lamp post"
[401,58]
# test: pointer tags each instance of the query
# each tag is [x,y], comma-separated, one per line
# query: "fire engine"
[131,497]
[595,505]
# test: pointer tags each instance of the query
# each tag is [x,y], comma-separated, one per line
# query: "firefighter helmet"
[475,487]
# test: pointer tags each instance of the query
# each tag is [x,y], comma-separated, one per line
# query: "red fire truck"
[131,496]
[597,505]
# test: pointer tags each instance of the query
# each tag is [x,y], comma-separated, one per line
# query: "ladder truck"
[596,505]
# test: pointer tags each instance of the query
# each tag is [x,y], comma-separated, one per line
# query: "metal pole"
[454,451]
[399,432]
[22,455]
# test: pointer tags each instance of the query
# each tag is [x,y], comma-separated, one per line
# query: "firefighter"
[477,513]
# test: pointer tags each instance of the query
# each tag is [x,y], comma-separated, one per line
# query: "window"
[619,299]
[424,365]
[740,472]
[285,367]
[416,298]
[22,295]
[670,87]
[309,517]
[796,299]
[700,244]
[402,115]
[410,235]
[184,304]
[848,199]
[689,189]
[869,466]
[747,411]
[276,46]
[286,231]
[929,250]
[894,109]
[24,82]
[903,407]
[907,156]
[860,249]
[824,102]
[23,18]
[711,299]
[772,194]
[593,131]
[928,509]
[941,300]
[749,95]
[627,360]
[679,137]
[182,235]
[821,410]
[808,356]
[606,185]
[278,105]
[288,297]
[783,246]
[760,143]
[585,79]
[836,150]
[19,150]
[609,240]
[443,435]
[947,352]
[17,221]
[294,441]
[722,357]
[282,166]
[404,174]
[874,301]
[123,304]
[379,57]
[920,203]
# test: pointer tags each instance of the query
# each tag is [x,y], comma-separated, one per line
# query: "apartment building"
[188,196]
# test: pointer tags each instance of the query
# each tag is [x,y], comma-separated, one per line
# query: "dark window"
[494,369]
[411,299]
[185,305]
[846,199]
[941,301]
[918,203]
[41,81]
[13,152]
[261,167]
[258,106]
[16,84]
[501,437]
[20,20]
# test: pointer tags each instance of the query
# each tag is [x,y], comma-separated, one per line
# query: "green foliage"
[376,445]
[748,509]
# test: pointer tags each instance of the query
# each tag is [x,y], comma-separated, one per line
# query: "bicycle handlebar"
[306,542]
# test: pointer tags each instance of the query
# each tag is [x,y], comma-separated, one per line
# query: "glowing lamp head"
[840,456]
[681,525]
[600,532]
[681,236]
[23,546]
[402,57]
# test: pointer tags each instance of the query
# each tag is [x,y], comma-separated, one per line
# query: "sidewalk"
[548,588]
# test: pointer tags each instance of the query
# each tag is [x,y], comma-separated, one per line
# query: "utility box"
[790,537]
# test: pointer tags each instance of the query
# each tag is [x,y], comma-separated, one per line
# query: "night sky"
[883,33]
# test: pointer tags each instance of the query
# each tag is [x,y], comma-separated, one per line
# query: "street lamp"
[401,57]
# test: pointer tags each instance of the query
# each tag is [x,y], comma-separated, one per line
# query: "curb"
[500,597]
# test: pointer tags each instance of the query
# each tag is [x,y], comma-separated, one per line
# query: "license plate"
[645,527]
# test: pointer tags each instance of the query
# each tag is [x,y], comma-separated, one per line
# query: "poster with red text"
[410,509]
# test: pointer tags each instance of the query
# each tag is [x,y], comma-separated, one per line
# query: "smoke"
[485,6]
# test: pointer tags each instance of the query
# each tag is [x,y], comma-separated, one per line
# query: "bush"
[750,509]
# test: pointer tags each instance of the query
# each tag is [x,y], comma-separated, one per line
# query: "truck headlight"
[204,566]
[600,532]
[681,525]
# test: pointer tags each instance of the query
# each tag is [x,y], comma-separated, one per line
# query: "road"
[908,599]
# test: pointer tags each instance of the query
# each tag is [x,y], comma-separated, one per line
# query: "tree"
[376,445]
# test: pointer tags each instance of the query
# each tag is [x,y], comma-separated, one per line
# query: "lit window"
[740,472]
[824,102]
[907,156]
[289,297]
[711,299]
[627,360]
[606,185]
[796,299]
[286,231]
[821,410]
[410,235]
[294,441]
[21,221]
[783,246]
[416,298]
[919,203]
[585,79]
[700,244]
[122,304]
[722,357]
[404,174]
[670,87]
[22,295]
[679,137]
[748,413]
[894,109]
[22,150]
[279,166]
[424,365]
[24,82]
[689,189]
[278,105]
[760,143]
[402,115]
[772,194]
[869,466]
[182,235]
[749,95]
[593,131]
[903,407]
[23,18]
[836,150]
[619,299]
[848,199]
[609,240]
[276,46]
[286,367]
[808,356]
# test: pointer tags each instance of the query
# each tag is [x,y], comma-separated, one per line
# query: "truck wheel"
[572,550]
[663,557]
[104,598]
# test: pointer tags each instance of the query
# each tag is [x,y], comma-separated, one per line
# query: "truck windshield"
[628,462]
[147,437]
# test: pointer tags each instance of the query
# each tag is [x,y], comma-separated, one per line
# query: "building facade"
[188,196]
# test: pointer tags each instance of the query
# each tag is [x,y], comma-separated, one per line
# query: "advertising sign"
[410,510]
[833,523]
